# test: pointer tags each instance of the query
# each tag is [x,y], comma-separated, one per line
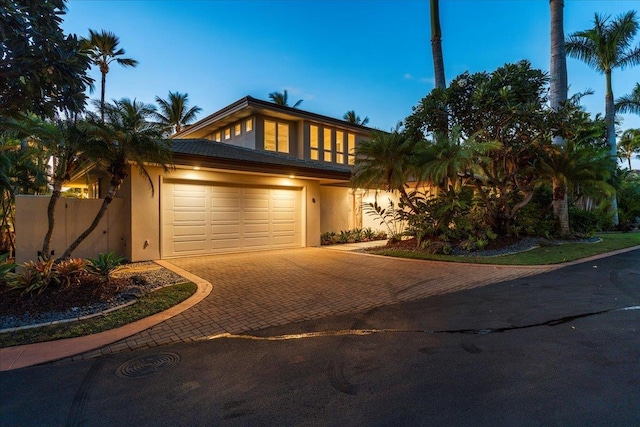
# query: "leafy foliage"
[42,69]
[351,117]
[173,114]
[629,199]
[392,217]
[6,267]
[69,269]
[33,277]
[282,98]
[351,236]
[104,264]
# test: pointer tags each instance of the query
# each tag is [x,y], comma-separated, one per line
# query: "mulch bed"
[83,291]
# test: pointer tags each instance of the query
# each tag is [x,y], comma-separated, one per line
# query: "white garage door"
[203,219]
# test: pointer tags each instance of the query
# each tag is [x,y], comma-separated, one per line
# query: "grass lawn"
[152,303]
[538,256]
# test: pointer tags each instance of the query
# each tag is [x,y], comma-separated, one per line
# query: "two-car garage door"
[204,219]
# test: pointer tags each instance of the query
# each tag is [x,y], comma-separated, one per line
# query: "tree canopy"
[42,70]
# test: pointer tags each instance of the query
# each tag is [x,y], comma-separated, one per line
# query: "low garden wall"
[72,217]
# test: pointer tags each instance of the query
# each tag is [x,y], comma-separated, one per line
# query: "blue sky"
[371,56]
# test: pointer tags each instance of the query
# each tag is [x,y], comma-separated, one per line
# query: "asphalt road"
[561,348]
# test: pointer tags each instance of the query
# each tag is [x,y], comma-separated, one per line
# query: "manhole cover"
[144,366]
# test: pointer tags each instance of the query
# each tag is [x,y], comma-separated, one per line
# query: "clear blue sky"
[372,56]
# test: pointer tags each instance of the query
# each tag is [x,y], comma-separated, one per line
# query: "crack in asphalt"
[370,331]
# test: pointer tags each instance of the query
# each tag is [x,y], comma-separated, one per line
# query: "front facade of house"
[252,176]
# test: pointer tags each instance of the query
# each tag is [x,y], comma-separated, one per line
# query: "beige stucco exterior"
[134,224]
[72,217]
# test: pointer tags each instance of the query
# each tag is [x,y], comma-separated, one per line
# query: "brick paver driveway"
[256,290]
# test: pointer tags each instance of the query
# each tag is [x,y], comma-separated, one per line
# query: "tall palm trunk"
[560,205]
[104,84]
[558,88]
[609,115]
[436,45]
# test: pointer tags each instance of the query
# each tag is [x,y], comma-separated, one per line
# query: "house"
[254,175]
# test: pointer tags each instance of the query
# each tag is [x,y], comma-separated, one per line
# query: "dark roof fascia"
[239,105]
[251,102]
[305,114]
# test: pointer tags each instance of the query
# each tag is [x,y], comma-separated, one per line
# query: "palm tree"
[282,98]
[436,45]
[102,48]
[385,160]
[573,167]
[127,136]
[450,161]
[66,145]
[629,103]
[629,145]
[604,47]
[173,114]
[352,117]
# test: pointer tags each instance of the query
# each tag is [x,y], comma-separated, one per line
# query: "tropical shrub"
[629,199]
[392,217]
[6,267]
[104,265]
[33,277]
[351,236]
[589,221]
[69,269]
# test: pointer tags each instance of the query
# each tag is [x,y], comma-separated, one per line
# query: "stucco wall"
[336,209]
[72,217]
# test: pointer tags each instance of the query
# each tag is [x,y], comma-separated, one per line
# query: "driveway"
[253,291]
[561,348]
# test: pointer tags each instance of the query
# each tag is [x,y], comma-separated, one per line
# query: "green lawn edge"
[543,255]
[148,305]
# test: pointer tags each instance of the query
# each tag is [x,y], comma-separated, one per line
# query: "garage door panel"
[188,202]
[225,229]
[224,216]
[256,216]
[284,227]
[200,219]
[189,246]
[188,230]
[226,203]
[283,216]
[187,216]
[229,245]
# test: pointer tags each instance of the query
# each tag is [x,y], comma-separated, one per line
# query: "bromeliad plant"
[34,277]
[70,269]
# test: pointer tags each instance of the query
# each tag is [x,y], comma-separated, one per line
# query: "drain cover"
[144,366]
